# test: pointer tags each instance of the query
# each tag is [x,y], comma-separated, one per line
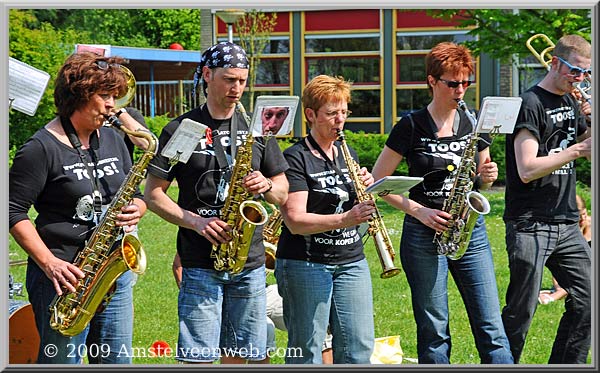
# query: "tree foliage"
[38,44]
[254,30]
[145,28]
[503,32]
[43,38]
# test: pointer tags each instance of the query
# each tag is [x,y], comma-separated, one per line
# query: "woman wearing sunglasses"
[432,140]
[69,171]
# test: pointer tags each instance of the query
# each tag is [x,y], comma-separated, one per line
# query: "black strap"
[333,164]
[222,160]
[93,174]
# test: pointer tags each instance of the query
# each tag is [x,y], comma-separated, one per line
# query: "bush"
[369,146]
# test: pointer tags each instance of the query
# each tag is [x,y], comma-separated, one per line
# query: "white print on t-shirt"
[561,114]
[450,151]
[101,168]
[568,168]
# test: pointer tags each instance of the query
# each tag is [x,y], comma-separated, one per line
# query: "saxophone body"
[271,236]
[377,230]
[70,313]
[464,204]
[240,212]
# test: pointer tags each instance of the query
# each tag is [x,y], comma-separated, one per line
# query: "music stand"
[182,144]
[498,115]
[393,185]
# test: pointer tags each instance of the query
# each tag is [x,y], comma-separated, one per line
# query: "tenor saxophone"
[383,243]
[464,204]
[70,313]
[240,212]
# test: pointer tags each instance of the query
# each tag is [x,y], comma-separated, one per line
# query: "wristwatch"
[270,185]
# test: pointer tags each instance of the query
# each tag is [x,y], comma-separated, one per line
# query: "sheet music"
[26,86]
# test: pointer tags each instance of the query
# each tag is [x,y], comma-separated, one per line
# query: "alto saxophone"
[240,212]
[271,236]
[70,313]
[464,204]
[383,243]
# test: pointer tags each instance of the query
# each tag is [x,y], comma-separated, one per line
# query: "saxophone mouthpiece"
[113,120]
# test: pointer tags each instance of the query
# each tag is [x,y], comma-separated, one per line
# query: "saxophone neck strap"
[93,174]
[222,160]
[333,163]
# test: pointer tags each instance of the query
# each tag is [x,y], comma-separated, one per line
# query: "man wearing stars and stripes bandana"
[221,315]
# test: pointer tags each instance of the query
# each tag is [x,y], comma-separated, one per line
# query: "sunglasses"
[455,83]
[575,71]
[103,65]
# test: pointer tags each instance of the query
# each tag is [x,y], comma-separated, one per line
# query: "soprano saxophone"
[240,212]
[383,243]
[70,313]
[464,204]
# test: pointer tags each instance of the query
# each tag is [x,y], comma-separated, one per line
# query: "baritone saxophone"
[377,230]
[70,313]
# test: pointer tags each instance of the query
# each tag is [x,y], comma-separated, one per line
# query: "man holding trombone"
[541,214]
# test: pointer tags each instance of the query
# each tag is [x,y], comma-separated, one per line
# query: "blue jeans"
[427,274]
[317,295]
[220,314]
[563,249]
[106,340]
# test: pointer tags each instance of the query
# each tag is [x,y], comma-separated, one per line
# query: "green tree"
[503,32]
[40,45]
[145,28]
[254,30]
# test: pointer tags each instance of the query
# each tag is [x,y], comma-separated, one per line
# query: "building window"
[355,57]
[412,92]
[342,43]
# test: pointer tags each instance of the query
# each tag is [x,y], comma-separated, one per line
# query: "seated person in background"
[275,320]
[585,225]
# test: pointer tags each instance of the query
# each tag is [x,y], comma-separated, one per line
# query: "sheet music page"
[26,86]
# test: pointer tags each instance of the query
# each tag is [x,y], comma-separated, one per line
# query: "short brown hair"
[81,77]
[324,88]
[448,57]
[569,44]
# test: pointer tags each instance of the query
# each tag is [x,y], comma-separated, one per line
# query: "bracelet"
[270,185]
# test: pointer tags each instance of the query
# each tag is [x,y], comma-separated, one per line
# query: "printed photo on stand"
[274,115]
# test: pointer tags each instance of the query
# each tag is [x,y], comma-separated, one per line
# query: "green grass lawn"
[156,294]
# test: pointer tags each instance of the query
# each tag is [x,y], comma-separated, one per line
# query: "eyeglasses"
[455,83]
[103,65]
[333,114]
[575,71]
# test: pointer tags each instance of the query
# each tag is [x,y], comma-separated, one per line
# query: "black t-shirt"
[431,157]
[328,193]
[555,122]
[200,177]
[51,176]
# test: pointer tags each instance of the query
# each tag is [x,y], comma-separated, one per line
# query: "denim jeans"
[427,274]
[221,313]
[317,295]
[106,340]
[563,249]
